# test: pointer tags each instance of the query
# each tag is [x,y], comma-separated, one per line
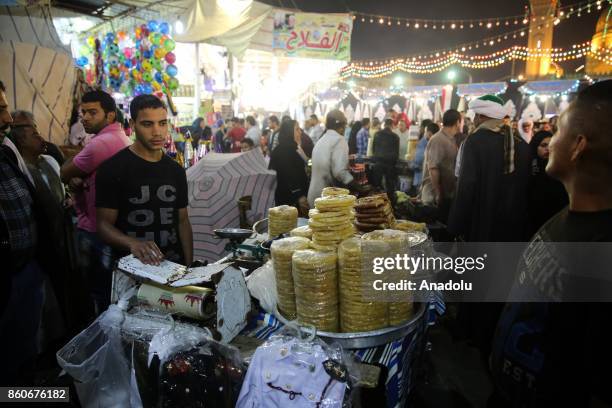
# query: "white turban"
[490,106]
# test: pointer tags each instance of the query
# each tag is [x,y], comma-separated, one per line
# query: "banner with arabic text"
[312,35]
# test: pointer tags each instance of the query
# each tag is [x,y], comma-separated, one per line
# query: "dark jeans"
[19,326]
[389,174]
[95,262]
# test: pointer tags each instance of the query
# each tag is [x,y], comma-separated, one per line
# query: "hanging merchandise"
[437,117]
[380,113]
[289,372]
[137,62]
[358,113]
[510,108]
[532,112]
[207,375]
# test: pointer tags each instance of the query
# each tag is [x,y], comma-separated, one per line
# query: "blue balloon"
[153,25]
[164,28]
[171,70]
[146,54]
[110,37]
[159,77]
[82,61]
[128,63]
[147,89]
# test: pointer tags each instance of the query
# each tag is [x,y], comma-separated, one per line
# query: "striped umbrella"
[216,183]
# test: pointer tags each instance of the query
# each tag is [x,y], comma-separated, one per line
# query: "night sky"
[371,41]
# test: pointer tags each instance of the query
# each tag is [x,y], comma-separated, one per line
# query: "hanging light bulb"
[178,27]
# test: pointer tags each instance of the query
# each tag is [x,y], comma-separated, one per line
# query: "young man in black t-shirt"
[556,350]
[141,194]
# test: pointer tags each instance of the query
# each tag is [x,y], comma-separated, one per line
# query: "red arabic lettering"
[193,299]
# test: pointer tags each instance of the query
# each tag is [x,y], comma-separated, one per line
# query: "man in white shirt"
[314,128]
[403,133]
[330,163]
[253,131]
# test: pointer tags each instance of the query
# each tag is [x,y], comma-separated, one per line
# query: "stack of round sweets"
[410,226]
[357,312]
[281,219]
[303,231]
[315,278]
[334,191]
[282,251]
[374,213]
[399,242]
[332,221]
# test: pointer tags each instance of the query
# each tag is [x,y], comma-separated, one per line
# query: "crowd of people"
[489,179]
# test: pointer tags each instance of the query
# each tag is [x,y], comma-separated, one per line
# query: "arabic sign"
[311,35]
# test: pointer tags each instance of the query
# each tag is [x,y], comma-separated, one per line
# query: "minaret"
[601,39]
[541,26]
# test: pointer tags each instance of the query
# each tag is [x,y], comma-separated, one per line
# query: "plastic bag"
[262,286]
[96,360]
[288,370]
[208,374]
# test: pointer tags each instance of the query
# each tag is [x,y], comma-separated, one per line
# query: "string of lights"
[428,66]
[561,13]
[484,42]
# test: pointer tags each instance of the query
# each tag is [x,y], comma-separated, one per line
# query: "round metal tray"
[375,338]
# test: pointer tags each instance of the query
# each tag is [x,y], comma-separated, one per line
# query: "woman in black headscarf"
[291,179]
[352,142]
[197,130]
[547,196]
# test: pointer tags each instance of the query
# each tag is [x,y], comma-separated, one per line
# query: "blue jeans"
[19,326]
[95,261]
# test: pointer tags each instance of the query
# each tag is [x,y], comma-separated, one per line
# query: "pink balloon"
[170,58]
[127,52]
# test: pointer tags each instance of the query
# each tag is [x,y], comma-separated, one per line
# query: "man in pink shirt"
[99,113]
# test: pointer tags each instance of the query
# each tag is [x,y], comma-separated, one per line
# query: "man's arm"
[146,251]
[186,235]
[69,171]
[434,173]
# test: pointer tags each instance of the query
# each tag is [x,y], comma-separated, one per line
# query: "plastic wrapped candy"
[399,242]
[281,219]
[282,251]
[315,280]
[357,313]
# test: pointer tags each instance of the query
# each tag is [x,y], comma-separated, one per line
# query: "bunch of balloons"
[141,62]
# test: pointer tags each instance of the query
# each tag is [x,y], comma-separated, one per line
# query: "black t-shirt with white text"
[147,195]
[559,352]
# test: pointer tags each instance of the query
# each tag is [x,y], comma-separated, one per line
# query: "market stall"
[301,326]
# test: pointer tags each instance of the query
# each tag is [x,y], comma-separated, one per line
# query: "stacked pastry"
[282,251]
[331,221]
[303,231]
[357,312]
[281,219]
[334,191]
[410,226]
[399,311]
[315,278]
[374,213]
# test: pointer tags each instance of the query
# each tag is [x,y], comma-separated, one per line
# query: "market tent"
[216,183]
[37,69]
[208,21]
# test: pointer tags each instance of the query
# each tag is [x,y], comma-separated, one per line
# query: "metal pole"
[198,82]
